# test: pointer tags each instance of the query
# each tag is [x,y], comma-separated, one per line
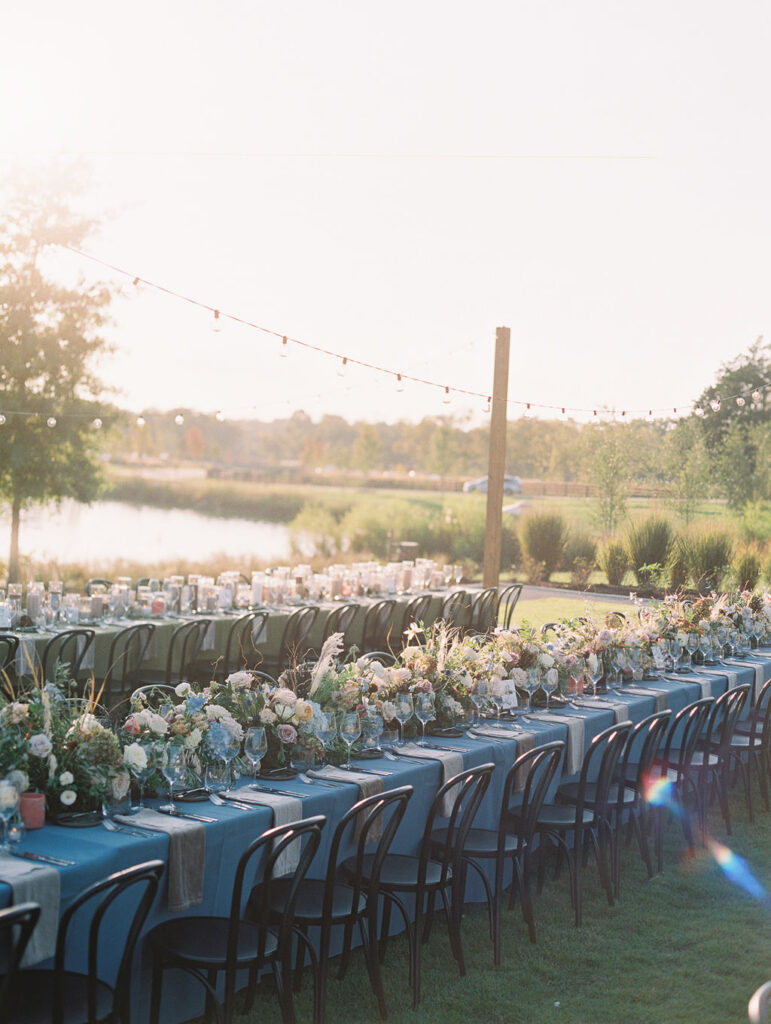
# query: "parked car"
[511,485]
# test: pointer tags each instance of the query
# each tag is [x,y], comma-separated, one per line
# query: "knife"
[44,858]
[438,746]
[279,792]
[184,814]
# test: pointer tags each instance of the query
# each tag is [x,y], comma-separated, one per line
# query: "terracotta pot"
[33,809]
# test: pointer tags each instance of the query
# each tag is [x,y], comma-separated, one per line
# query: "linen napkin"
[760,675]
[733,677]
[525,743]
[619,709]
[286,809]
[368,785]
[36,883]
[207,643]
[27,661]
[574,752]
[660,696]
[187,854]
[495,732]
[452,765]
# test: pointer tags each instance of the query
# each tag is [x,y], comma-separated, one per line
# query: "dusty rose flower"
[287,733]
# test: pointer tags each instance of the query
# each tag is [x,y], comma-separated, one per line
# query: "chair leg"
[384,929]
[155,992]
[373,962]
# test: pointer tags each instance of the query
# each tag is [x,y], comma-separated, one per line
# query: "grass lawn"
[552,609]
[686,947]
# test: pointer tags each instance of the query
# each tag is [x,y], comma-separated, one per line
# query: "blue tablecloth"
[97,852]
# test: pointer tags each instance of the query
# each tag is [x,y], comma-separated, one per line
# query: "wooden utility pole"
[497,459]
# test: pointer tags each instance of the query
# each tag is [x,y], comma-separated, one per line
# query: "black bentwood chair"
[16,927]
[712,757]
[484,611]
[328,902]
[378,626]
[456,609]
[415,611]
[293,648]
[68,648]
[751,748]
[429,874]
[184,650]
[207,946]
[127,653]
[507,602]
[512,840]
[587,820]
[60,996]
[241,650]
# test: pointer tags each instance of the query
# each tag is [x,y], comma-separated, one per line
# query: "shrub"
[707,555]
[746,568]
[579,546]
[649,543]
[542,537]
[614,562]
[676,569]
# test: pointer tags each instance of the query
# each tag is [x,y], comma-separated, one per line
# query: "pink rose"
[132,726]
[287,733]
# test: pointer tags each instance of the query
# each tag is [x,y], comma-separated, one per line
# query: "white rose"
[303,711]
[182,689]
[157,724]
[66,779]
[135,757]
[545,660]
[120,785]
[268,717]
[193,739]
[285,696]
[239,680]
[389,710]
[40,745]
[68,796]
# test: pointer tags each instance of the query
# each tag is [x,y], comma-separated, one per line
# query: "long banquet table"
[97,852]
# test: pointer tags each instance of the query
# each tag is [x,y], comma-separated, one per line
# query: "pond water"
[110,530]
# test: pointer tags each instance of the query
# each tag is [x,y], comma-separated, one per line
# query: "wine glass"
[174,768]
[403,713]
[676,649]
[692,646]
[594,669]
[255,746]
[457,573]
[143,774]
[479,696]
[9,801]
[424,712]
[372,729]
[549,684]
[222,744]
[722,637]
[325,727]
[350,730]
[531,684]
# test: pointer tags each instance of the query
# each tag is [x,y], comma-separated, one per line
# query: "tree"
[366,448]
[687,467]
[609,474]
[49,336]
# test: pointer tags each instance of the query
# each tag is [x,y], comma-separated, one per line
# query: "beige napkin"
[452,765]
[368,785]
[286,809]
[495,732]
[659,696]
[27,661]
[187,854]
[525,743]
[35,883]
[733,677]
[760,672]
[574,754]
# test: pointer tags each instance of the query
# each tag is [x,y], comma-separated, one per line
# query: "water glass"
[531,684]
[404,712]
[174,768]
[549,684]
[424,712]
[255,746]
[217,777]
[350,730]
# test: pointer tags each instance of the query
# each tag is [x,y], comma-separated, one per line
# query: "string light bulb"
[757,394]
[141,421]
[487,404]
[446,398]
[216,326]
[399,383]
[741,401]
[51,422]
[96,423]
[284,351]
[699,411]
[2,420]
[179,419]
[342,366]
[219,415]
[135,282]
[715,405]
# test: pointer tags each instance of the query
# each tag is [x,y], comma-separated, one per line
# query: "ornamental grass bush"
[649,543]
[613,559]
[542,538]
[746,568]
[676,574]
[707,556]
[580,557]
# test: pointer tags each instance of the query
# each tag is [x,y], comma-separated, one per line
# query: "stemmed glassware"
[692,645]
[549,684]
[531,684]
[424,712]
[350,730]
[143,774]
[479,696]
[9,801]
[174,768]
[325,727]
[223,746]
[594,669]
[403,713]
[255,747]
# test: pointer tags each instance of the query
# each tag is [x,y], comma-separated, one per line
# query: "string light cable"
[219,315]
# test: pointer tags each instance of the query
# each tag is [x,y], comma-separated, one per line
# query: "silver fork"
[110,825]
[217,800]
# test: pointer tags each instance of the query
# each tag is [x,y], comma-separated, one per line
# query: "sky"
[393,182]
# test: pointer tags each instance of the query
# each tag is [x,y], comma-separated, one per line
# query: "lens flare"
[736,869]
[659,790]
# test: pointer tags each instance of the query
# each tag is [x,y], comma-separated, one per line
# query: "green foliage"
[610,475]
[49,339]
[746,568]
[707,555]
[315,531]
[676,568]
[755,522]
[542,537]
[687,467]
[613,559]
[648,543]
[579,546]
